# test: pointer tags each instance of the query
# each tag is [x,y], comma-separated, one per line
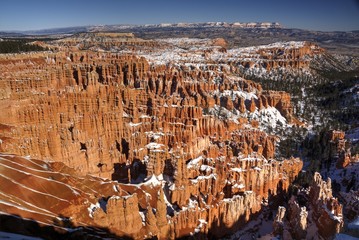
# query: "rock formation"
[297,219]
[184,142]
[336,150]
[327,211]
[278,224]
[339,149]
[289,55]
[324,218]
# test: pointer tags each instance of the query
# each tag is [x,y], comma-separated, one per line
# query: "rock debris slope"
[184,140]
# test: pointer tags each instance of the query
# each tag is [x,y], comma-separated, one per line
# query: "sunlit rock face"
[327,211]
[183,145]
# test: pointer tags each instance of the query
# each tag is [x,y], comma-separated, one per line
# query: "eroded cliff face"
[289,55]
[327,211]
[100,111]
[185,143]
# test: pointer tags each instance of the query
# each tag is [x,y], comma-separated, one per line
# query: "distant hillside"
[236,34]
[10,34]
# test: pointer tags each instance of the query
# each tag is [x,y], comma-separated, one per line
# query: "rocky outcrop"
[323,219]
[291,224]
[327,211]
[337,150]
[180,140]
[297,219]
[50,192]
[98,116]
[292,55]
[122,215]
[278,224]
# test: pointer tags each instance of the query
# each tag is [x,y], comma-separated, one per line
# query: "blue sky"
[325,15]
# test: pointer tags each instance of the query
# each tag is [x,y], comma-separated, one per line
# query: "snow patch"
[268,117]
[154,145]
[92,208]
[200,225]
[134,124]
[206,168]
[194,162]
[152,181]
[236,94]
[239,186]
[154,135]
[239,170]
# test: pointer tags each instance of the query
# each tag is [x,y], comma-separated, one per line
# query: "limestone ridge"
[186,142]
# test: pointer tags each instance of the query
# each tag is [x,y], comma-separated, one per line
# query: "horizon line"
[170,23]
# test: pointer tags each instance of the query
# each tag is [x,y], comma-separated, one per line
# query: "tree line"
[18,46]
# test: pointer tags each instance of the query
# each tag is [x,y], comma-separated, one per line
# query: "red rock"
[278,223]
[297,220]
[116,116]
[327,211]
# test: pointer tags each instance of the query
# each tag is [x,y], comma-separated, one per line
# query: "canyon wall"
[185,146]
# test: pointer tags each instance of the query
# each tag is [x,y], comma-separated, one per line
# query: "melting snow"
[152,181]
[200,226]
[199,178]
[237,170]
[269,117]
[236,94]
[142,214]
[115,188]
[153,145]
[92,209]
[134,124]
[240,186]
[154,135]
[192,203]
[206,168]
[194,162]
